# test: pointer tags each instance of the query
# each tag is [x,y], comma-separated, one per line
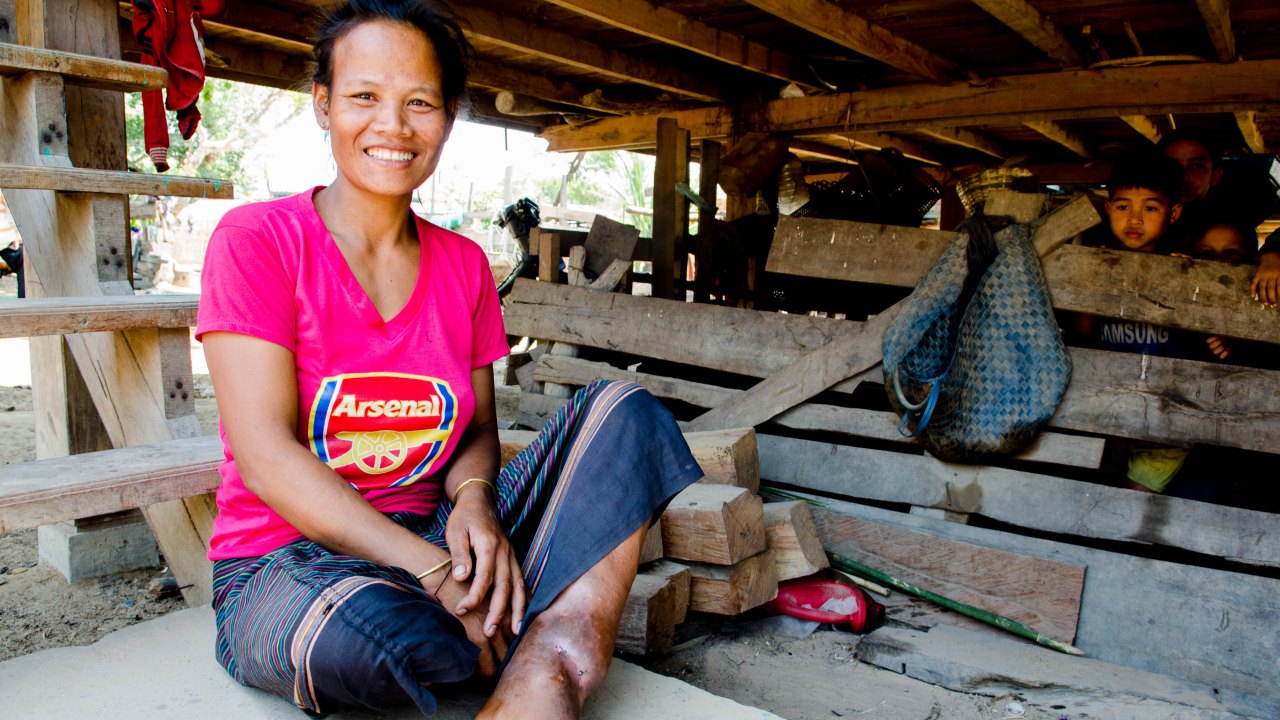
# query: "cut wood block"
[727,457]
[61,179]
[733,589]
[717,524]
[648,621]
[680,578]
[794,540]
[84,70]
[651,549]
[1044,594]
[1022,207]
[31,317]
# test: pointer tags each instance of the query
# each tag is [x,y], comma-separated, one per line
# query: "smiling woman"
[367,545]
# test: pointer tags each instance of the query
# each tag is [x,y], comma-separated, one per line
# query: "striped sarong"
[330,632]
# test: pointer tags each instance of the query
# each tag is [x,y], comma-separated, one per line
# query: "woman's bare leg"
[565,653]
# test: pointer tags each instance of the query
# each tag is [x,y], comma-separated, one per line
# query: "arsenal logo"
[380,430]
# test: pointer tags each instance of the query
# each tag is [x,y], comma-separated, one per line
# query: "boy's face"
[1222,243]
[1140,216]
[1198,172]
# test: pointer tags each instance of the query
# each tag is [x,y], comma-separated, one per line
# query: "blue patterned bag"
[975,363]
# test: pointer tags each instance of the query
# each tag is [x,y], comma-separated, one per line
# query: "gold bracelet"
[468,481]
[443,564]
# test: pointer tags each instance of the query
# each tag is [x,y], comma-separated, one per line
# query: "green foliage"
[610,182]
[236,118]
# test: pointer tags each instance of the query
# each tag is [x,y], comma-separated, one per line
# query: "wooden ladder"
[106,365]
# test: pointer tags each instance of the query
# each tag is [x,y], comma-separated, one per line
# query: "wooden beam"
[965,138]
[230,60]
[670,209]
[1076,94]
[1197,295]
[1070,507]
[1040,592]
[61,315]
[821,151]
[80,180]
[83,70]
[828,20]
[1248,123]
[1145,126]
[668,26]
[495,76]
[733,589]
[1051,448]
[509,31]
[1217,21]
[1119,394]
[1059,134]
[1035,28]
[876,141]
[720,524]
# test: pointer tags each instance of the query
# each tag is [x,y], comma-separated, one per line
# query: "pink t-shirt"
[383,403]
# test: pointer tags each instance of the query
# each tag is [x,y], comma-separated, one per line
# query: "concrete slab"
[964,660]
[164,669]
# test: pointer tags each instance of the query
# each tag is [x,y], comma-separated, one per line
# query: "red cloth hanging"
[171,33]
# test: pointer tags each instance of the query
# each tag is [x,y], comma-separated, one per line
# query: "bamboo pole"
[846,565]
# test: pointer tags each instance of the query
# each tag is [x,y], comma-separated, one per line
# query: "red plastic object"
[795,595]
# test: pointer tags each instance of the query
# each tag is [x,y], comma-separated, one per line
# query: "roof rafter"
[495,76]
[1035,28]
[1217,20]
[1248,122]
[1113,92]
[668,26]
[827,19]
[1064,137]
[563,48]
[1145,126]
[821,151]
[878,141]
[966,138]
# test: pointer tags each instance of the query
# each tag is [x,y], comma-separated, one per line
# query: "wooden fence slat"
[1121,394]
[1197,295]
[1024,499]
[32,317]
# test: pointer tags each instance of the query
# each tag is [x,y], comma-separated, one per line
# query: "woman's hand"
[475,536]
[493,648]
[1218,347]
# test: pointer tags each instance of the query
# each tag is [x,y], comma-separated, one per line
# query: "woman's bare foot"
[565,653]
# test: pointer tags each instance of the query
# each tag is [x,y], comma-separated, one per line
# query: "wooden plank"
[1247,121]
[969,139]
[65,488]
[648,617]
[1125,596]
[733,589]
[727,457]
[609,240]
[680,579]
[1197,295]
[1035,28]
[831,21]
[650,20]
[1043,594]
[1049,447]
[651,548]
[1120,394]
[1061,135]
[84,70]
[669,207]
[508,30]
[793,539]
[1145,126]
[62,315]
[716,524]
[1025,499]
[1217,22]
[876,141]
[1076,94]
[109,181]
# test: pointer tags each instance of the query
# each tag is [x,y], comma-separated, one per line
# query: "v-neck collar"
[361,304]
